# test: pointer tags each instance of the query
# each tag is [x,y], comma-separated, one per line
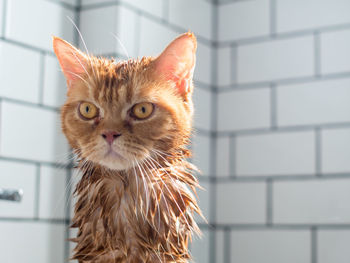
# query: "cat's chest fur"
[131,220]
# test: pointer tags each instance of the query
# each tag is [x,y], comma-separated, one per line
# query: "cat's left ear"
[176,63]
[73,62]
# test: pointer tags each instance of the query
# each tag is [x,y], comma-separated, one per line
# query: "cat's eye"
[142,110]
[87,110]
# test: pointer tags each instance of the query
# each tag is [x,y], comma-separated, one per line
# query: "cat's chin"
[117,164]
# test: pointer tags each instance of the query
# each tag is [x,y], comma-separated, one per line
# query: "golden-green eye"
[88,110]
[142,110]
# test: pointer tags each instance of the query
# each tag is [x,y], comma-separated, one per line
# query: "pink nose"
[110,136]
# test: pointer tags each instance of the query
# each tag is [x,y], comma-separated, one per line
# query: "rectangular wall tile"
[314,103]
[303,15]
[202,108]
[37,241]
[152,44]
[31,133]
[181,14]
[289,153]
[37,30]
[224,68]
[116,26]
[22,82]
[262,61]
[201,152]
[14,175]
[153,7]
[243,19]
[55,87]
[223,156]
[311,202]
[335,53]
[267,246]
[220,246]
[241,203]
[200,247]
[333,246]
[335,146]
[244,109]
[53,196]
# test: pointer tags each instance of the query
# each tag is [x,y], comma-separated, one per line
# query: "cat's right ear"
[73,62]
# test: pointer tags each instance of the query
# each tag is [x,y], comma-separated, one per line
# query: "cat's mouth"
[113,154]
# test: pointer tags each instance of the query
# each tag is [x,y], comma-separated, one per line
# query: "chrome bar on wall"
[11,194]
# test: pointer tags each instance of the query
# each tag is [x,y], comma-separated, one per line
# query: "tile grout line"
[233,63]
[227,245]
[138,29]
[269,202]
[314,244]
[213,141]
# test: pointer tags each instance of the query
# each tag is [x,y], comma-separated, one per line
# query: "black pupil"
[87,109]
[143,109]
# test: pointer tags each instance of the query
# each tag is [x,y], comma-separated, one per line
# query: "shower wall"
[32,148]
[282,172]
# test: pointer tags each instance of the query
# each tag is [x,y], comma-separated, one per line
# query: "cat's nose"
[110,136]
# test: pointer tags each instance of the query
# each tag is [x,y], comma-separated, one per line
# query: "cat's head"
[118,113]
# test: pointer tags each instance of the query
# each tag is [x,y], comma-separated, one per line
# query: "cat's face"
[121,113]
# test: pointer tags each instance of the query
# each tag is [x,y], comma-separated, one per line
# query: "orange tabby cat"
[129,123]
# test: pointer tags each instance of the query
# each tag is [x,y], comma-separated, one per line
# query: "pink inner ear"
[72,61]
[178,60]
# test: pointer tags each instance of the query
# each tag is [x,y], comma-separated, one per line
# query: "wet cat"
[129,123]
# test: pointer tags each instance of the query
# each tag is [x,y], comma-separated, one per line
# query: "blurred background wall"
[272,121]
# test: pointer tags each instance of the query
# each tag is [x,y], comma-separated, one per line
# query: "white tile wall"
[244,109]
[262,61]
[204,200]
[311,103]
[223,155]
[37,30]
[243,19]
[201,152]
[203,109]
[267,246]
[37,242]
[154,7]
[289,153]
[311,202]
[335,54]
[115,22]
[18,176]
[200,248]
[54,83]
[53,196]
[224,69]
[152,43]
[333,246]
[24,63]
[241,203]
[203,64]
[335,147]
[181,14]
[301,15]
[31,133]
[220,246]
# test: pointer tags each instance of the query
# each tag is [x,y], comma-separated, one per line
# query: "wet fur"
[143,213]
